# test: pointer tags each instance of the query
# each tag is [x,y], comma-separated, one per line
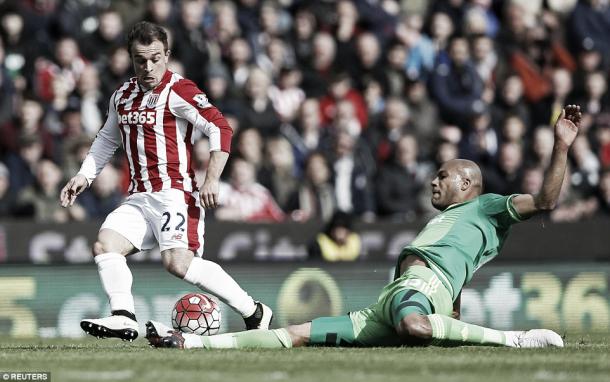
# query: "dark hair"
[145,33]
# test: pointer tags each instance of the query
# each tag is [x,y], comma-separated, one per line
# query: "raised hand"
[566,127]
[72,189]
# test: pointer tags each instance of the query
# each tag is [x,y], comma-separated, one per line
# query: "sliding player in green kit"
[421,305]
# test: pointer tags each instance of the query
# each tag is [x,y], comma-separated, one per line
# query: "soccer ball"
[196,313]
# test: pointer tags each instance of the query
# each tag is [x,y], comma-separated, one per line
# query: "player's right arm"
[107,140]
[566,130]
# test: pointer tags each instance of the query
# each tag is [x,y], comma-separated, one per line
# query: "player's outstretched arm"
[566,130]
[210,190]
[72,189]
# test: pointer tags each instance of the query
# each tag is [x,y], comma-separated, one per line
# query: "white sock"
[210,277]
[116,280]
[192,341]
[512,337]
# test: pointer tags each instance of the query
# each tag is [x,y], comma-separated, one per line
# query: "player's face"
[445,187]
[149,63]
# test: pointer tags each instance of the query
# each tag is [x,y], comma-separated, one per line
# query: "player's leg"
[110,250]
[211,278]
[180,240]
[416,324]
[292,336]
[447,331]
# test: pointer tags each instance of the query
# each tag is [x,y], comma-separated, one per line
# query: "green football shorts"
[418,290]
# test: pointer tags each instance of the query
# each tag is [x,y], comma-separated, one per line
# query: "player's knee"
[414,327]
[177,262]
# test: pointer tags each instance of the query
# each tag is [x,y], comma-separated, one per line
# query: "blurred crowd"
[336,105]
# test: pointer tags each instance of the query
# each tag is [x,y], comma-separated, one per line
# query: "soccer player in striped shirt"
[421,305]
[153,116]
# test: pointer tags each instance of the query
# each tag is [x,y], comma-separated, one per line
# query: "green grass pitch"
[585,358]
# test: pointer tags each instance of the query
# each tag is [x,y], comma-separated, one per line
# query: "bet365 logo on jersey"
[137,117]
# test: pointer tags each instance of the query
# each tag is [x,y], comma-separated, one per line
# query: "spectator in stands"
[539,55]
[75,146]
[421,50]
[383,138]
[65,69]
[20,45]
[542,146]
[532,180]
[115,72]
[589,24]
[424,117]
[596,98]
[39,200]
[602,138]
[160,13]
[301,38]
[98,46]
[571,206]
[345,34]
[394,70]
[239,59]
[7,198]
[250,146]
[279,174]
[307,135]
[510,101]
[7,89]
[244,199]
[318,74]
[603,194]
[484,58]
[586,167]
[400,182]
[513,130]
[368,65]
[548,109]
[457,87]
[480,143]
[90,100]
[104,195]
[28,122]
[442,27]
[340,89]
[22,164]
[506,177]
[338,241]
[257,110]
[190,42]
[353,167]
[287,97]
[315,197]
[589,61]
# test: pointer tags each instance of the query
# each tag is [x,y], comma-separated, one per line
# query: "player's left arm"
[188,102]
[566,130]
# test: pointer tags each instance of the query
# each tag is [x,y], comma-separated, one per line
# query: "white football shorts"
[171,218]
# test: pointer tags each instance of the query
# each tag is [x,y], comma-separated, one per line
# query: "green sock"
[447,331]
[260,338]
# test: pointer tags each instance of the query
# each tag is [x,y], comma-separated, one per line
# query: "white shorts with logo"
[172,218]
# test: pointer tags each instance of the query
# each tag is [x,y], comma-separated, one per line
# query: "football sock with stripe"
[211,278]
[116,280]
[447,331]
[260,338]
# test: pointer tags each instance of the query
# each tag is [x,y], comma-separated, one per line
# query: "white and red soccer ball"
[196,313]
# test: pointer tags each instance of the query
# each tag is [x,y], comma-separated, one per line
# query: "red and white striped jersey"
[155,127]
